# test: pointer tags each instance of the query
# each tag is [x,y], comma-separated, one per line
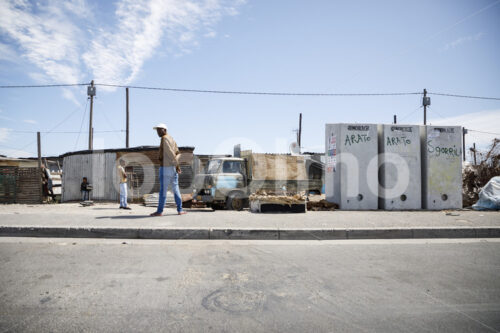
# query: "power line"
[236,92]
[50,131]
[465,96]
[213,91]
[409,114]
[484,132]
[45,85]
[15,149]
[63,132]
[81,124]
[110,125]
[272,93]
[439,114]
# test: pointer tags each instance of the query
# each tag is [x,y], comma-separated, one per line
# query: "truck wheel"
[217,207]
[235,201]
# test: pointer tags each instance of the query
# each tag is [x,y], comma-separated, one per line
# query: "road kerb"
[249,234]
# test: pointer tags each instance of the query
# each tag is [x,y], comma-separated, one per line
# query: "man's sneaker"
[127,208]
[181,212]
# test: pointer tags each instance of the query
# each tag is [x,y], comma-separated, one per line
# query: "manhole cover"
[234,300]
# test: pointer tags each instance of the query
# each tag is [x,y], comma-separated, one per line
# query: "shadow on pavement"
[132,217]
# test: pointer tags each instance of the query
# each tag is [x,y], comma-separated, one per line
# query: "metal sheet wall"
[100,170]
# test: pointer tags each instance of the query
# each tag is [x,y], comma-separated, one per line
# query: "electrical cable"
[110,125]
[409,114]
[256,92]
[270,93]
[48,132]
[63,132]
[465,96]
[45,85]
[81,124]
[433,110]
[483,132]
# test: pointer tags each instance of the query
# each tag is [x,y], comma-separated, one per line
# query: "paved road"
[73,285]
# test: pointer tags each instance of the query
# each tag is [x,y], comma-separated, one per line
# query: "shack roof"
[17,162]
[116,150]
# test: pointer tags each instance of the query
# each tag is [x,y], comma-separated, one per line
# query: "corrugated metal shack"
[19,181]
[100,168]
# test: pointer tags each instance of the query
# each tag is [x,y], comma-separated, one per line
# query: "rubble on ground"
[278,198]
[475,177]
[318,203]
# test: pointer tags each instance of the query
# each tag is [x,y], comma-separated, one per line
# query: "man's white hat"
[160,125]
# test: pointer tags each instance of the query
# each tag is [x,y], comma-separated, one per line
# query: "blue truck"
[227,182]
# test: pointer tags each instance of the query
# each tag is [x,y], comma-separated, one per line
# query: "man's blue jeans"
[169,176]
[85,195]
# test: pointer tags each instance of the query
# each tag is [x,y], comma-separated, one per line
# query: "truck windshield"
[213,166]
[231,167]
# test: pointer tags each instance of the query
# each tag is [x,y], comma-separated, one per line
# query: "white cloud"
[70,95]
[4,134]
[46,38]
[484,121]
[78,7]
[64,41]
[210,34]
[30,121]
[117,56]
[462,40]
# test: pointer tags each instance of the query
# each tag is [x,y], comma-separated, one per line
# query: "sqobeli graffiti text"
[446,151]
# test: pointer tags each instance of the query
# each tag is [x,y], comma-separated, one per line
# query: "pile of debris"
[266,202]
[318,203]
[284,199]
[477,176]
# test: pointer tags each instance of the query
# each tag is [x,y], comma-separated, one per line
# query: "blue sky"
[292,46]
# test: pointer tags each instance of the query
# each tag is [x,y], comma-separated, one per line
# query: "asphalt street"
[83,285]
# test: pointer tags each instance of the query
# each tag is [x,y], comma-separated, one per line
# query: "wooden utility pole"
[464,131]
[395,120]
[299,141]
[91,93]
[39,166]
[474,152]
[425,106]
[127,136]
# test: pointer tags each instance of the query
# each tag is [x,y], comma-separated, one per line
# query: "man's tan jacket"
[169,153]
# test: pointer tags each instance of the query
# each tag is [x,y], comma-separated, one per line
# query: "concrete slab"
[399,167]
[441,167]
[351,166]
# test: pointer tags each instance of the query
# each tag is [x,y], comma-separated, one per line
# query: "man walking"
[123,185]
[169,170]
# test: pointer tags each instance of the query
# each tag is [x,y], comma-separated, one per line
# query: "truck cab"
[223,183]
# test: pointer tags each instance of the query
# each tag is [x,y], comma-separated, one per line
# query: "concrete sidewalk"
[106,220]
